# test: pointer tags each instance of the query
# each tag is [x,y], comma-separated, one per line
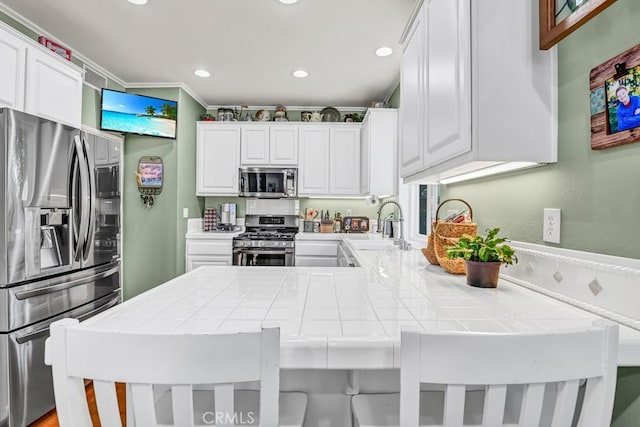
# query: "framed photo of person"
[615,100]
[623,101]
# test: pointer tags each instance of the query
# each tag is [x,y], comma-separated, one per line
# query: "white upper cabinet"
[53,88]
[313,173]
[218,159]
[255,145]
[283,149]
[269,145]
[448,80]
[412,93]
[476,90]
[344,152]
[12,70]
[329,160]
[378,156]
[37,81]
[365,156]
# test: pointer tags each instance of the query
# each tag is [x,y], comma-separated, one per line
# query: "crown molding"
[167,85]
[412,18]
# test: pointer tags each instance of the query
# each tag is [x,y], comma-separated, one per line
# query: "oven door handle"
[258,252]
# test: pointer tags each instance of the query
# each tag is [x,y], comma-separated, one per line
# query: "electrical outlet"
[348,212]
[185,212]
[551,226]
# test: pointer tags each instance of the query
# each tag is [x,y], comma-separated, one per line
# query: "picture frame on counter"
[559,18]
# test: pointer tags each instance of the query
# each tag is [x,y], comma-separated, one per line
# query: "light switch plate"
[185,212]
[551,226]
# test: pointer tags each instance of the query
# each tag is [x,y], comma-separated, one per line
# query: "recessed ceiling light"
[288,1]
[202,73]
[301,74]
[384,51]
[138,2]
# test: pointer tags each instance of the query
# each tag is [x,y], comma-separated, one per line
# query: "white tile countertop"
[345,318]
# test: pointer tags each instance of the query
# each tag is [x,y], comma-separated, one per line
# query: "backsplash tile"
[602,284]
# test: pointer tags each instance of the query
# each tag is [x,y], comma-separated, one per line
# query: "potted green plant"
[483,257]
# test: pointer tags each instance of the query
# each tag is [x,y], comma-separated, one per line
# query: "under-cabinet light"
[491,170]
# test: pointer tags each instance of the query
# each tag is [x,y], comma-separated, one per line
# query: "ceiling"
[250,47]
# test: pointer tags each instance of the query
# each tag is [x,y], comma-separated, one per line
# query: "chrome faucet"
[398,239]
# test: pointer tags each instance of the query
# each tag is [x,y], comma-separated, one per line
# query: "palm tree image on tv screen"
[143,115]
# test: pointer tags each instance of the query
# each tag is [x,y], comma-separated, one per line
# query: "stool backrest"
[142,360]
[567,359]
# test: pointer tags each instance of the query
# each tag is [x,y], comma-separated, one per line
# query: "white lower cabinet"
[317,253]
[202,251]
[218,159]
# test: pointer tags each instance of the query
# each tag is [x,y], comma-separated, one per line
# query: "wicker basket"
[447,234]
[430,251]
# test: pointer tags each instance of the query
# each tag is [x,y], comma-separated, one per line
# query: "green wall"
[597,191]
[154,237]
[189,111]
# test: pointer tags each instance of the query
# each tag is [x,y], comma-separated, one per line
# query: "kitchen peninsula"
[338,322]
[328,316]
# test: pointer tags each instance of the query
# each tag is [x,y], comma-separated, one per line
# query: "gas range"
[269,240]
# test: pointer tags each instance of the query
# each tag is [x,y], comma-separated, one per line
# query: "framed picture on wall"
[614,88]
[623,101]
[559,18]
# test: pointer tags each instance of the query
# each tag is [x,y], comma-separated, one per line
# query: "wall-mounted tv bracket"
[149,178]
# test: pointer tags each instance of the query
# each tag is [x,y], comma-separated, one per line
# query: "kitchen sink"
[372,244]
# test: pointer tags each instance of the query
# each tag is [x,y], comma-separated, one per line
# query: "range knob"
[262,243]
[240,243]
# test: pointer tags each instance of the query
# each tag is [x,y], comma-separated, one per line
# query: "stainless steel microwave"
[269,183]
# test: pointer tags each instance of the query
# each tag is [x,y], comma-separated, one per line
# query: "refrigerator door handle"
[65,285]
[45,331]
[84,195]
[90,167]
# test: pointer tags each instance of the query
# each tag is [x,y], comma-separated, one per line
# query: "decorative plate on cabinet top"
[330,114]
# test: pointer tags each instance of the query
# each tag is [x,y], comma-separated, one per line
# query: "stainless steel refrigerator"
[59,247]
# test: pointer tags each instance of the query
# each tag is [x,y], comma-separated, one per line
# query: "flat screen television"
[138,114]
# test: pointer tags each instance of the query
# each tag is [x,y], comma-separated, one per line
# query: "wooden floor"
[51,419]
